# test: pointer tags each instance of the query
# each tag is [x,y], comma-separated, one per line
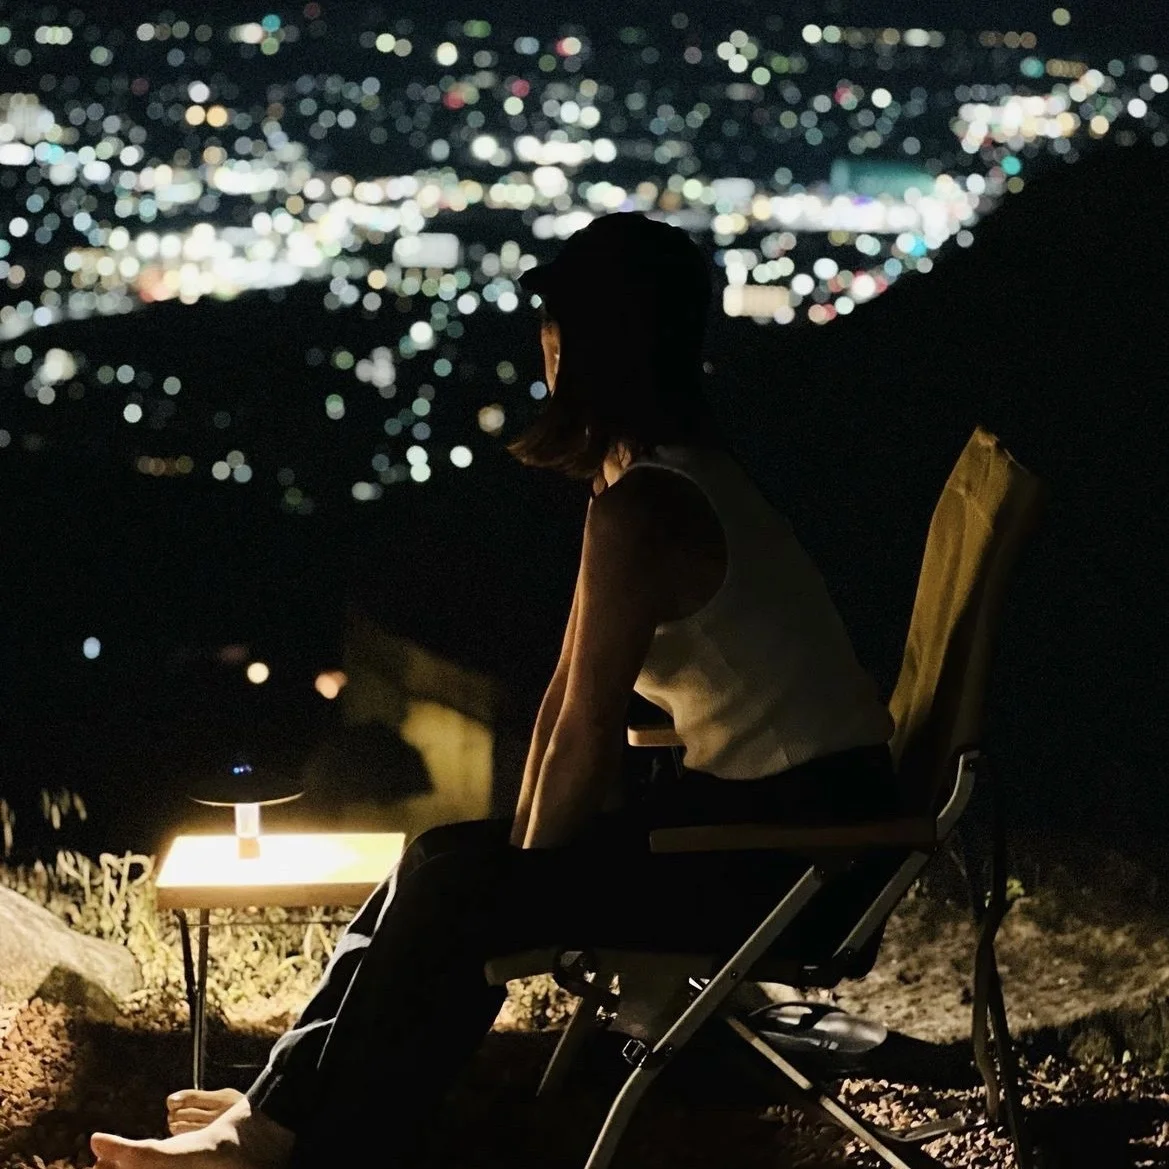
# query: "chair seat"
[670,966]
[919,832]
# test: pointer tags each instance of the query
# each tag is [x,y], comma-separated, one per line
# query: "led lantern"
[245,789]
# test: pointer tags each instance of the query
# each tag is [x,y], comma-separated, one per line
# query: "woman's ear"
[550,343]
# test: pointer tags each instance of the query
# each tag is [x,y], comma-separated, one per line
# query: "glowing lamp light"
[245,789]
[296,869]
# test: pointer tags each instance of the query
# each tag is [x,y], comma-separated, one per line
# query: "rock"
[1091,1045]
[1145,1033]
[40,956]
[72,989]
[1139,1032]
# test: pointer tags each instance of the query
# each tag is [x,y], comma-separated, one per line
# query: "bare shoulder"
[657,528]
[648,494]
[664,514]
[638,508]
[633,496]
[672,504]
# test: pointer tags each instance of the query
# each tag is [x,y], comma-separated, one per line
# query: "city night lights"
[178,159]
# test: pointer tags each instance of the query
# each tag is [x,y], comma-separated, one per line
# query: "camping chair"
[988,507]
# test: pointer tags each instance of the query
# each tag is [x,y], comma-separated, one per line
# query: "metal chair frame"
[587,974]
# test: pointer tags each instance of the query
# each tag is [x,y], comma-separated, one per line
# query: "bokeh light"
[408,172]
[330,683]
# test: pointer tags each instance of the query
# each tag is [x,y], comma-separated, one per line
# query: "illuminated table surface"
[293,869]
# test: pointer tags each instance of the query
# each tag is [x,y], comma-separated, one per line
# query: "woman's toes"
[218,1101]
[189,1119]
[190,1108]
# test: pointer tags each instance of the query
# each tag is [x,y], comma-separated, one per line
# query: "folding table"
[292,870]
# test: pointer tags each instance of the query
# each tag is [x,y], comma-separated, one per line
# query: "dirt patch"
[1065,966]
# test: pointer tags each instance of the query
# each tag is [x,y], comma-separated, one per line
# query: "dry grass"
[263,966]
[262,969]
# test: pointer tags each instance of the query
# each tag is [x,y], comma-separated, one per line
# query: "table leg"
[200,1036]
[191,989]
[196,986]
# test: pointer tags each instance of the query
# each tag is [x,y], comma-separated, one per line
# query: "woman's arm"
[621,597]
[545,720]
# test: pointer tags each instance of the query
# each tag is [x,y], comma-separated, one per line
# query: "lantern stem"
[247,829]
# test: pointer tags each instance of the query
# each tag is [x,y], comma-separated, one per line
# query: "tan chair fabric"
[988,507]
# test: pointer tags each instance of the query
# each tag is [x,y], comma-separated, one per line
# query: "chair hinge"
[641,1055]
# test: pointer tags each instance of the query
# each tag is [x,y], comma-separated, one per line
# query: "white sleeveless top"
[763,677]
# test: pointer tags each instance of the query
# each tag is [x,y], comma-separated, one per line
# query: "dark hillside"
[1051,331]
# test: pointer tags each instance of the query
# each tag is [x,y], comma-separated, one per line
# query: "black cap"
[243,782]
[622,256]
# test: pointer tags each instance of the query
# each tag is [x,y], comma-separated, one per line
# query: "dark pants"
[404,1002]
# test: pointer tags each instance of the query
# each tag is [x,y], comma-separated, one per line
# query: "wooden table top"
[292,870]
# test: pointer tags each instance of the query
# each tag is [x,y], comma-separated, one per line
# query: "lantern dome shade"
[243,782]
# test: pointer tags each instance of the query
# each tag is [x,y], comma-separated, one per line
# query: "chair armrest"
[906,832]
[653,735]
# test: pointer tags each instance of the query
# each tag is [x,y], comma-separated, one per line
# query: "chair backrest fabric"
[987,510]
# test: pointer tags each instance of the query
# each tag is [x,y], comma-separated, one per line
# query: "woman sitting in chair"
[694,592]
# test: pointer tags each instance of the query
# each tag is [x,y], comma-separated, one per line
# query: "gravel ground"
[61,1077]
[1086,973]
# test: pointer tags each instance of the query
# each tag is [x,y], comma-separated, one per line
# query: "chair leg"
[1002,1088]
[580,1026]
[709,1000]
[980,1021]
[1008,1072]
[621,1113]
[896,1152]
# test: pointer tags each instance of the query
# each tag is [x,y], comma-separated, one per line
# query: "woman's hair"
[630,373]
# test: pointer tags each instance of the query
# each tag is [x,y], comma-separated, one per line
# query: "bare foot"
[190,1110]
[238,1139]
